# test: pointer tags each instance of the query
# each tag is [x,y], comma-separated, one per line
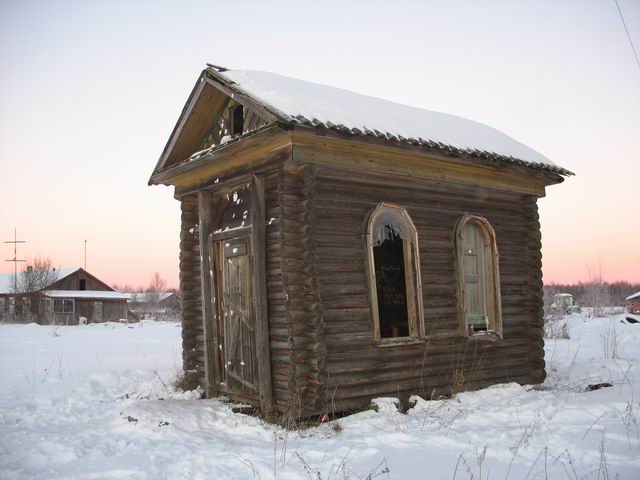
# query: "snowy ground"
[95,402]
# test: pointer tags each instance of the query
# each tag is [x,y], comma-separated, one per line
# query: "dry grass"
[556,327]
[186,381]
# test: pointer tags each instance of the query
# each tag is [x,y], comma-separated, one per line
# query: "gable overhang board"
[177,129]
[258,150]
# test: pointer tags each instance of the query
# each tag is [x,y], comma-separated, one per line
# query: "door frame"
[209,218]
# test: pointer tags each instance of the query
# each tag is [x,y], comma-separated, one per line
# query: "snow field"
[96,402]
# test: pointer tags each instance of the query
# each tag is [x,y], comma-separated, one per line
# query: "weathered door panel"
[237,326]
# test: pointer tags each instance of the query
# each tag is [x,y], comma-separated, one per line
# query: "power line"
[628,35]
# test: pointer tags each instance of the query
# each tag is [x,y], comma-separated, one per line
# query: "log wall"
[320,334]
[301,293]
[535,284]
[279,330]
[190,290]
[356,370]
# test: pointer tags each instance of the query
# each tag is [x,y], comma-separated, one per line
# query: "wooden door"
[475,303]
[237,325]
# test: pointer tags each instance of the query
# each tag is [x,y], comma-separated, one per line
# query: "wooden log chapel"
[336,247]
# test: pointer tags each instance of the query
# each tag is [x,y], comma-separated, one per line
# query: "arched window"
[478,277]
[393,275]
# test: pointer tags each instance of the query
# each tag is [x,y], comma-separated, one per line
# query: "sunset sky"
[90,91]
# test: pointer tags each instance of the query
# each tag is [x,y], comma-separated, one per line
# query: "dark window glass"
[83,284]
[391,286]
[68,306]
[238,120]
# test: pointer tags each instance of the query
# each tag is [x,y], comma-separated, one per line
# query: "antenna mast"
[15,259]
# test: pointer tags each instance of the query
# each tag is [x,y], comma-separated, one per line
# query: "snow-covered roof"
[98,294]
[635,295]
[141,297]
[65,272]
[301,102]
[6,279]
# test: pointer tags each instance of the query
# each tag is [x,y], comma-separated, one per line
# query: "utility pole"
[85,254]
[15,259]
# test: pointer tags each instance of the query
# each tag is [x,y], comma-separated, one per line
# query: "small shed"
[155,304]
[74,293]
[633,303]
[337,247]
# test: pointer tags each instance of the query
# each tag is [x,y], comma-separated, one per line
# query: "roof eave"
[188,106]
[199,159]
[553,174]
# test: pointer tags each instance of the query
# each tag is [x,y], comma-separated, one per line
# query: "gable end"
[213,114]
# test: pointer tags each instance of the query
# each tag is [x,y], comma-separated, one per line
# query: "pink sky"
[90,92]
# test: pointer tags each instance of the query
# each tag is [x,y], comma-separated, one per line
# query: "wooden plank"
[189,135]
[208,311]
[361,157]
[260,305]
[328,139]
[231,233]
[186,111]
[261,149]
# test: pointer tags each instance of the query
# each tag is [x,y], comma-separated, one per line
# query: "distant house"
[633,303]
[75,293]
[149,303]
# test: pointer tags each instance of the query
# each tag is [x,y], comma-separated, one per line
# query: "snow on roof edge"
[5,278]
[103,294]
[142,296]
[633,295]
[317,105]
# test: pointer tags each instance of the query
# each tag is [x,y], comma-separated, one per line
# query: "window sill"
[490,336]
[399,341]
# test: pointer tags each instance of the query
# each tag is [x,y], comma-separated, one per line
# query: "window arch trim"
[492,269]
[413,282]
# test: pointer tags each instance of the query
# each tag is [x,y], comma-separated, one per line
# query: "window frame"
[413,279]
[491,264]
[63,303]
